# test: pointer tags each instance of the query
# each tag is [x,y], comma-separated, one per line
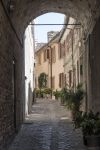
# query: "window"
[63,45]
[81,69]
[53,82]
[74,77]
[47,81]
[77,71]
[53,54]
[35,82]
[61,80]
[39,58]
[44,55]
[48,53]
[70,78]
[59,50]
[67,47]
[65,80]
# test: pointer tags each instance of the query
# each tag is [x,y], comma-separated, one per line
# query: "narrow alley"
[48,127]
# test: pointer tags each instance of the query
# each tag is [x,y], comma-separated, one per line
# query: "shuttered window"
[53,82]
[53,54]
[61,80]
[59,50]
[45,55]
[48,53]
[39,58]
[70,78]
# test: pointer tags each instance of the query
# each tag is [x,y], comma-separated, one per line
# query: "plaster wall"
[29,61]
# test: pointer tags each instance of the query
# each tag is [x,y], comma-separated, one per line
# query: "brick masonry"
[9,49]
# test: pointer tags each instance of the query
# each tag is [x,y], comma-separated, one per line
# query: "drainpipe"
[73,59]
[51,69]
[50,48]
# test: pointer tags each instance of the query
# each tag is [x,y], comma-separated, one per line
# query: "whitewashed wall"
[29,63]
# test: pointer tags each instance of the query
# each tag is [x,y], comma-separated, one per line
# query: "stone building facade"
[43,63]
[67,57]
[71,43]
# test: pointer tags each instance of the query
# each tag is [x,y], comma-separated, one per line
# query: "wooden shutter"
[53,54]
[70,78]
[60,80]
[59,50]
[48,51]
[53,82]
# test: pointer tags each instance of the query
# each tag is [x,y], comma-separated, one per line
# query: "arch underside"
[27,10]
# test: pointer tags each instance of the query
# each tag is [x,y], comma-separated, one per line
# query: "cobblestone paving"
[48,128]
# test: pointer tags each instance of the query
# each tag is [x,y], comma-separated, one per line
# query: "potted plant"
[36,92]
[75,99]
[42,80]
[56,94]
[48,92]
[89,122]
[64,95]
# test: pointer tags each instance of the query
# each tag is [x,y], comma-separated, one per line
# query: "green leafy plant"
[75,98]
[39,93]
[47,90]
[36,92]
[64,95]
[57,94]
[42,80]
[89,122]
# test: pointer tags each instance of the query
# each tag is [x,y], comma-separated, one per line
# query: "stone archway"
[25,11]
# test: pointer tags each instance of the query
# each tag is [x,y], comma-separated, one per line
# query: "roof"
[53,40]
[57,37]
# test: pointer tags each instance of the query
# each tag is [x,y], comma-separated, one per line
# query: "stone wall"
[10,49]
[94,63]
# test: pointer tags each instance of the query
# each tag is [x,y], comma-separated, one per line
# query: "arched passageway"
[14,18]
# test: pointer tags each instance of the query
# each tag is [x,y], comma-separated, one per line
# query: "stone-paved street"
[48,128]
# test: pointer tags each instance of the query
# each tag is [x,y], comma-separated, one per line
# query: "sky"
[49,18]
